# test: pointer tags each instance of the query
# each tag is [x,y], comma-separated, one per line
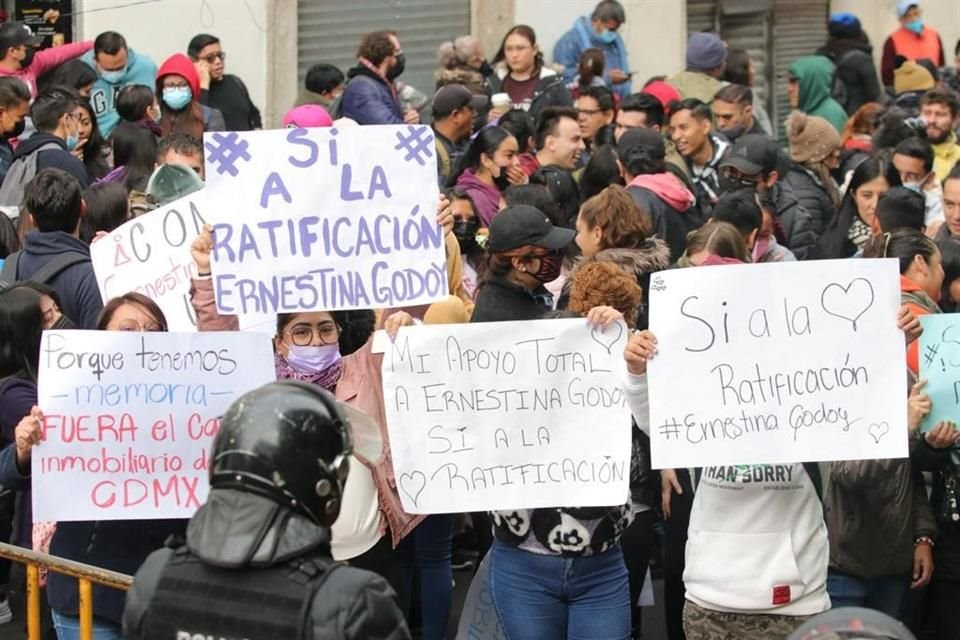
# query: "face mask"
[916,26]
[177,97]
[729,184]
[502,181]
[485,69]
[607,37]
[394,72]
[550,267]
[465,230]
[113,77]
[72,141]
[312,359]
[28,60]
[733,132]
[17,130]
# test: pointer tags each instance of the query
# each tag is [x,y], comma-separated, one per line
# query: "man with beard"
[370,97]
[939,110]
[733,111]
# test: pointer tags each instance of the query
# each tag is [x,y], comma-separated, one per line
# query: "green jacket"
[815,77]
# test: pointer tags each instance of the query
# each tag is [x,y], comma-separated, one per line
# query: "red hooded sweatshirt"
[180,65]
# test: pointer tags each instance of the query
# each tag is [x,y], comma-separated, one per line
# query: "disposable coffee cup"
[500,101]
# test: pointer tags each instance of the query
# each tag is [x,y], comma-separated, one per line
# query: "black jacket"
[854,62]
[242,531]
[796,223]
[53,158]
[835,243]
[230,97]
[669,224]
[812,196]
[499,300]
[551,92]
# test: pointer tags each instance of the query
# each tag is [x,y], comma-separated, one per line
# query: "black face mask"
[394,72]
[465,230]
[730,184]
[17,130]
[485,69]
[28,60]
[733,132]
[502,181]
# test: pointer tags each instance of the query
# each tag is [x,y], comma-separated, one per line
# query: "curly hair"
[376,47]
[599,282]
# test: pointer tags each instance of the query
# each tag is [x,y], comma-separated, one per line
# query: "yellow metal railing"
[86,575]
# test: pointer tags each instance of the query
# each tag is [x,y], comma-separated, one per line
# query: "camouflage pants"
[704,624]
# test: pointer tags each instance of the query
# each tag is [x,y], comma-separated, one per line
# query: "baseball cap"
[456,96]
[173,181]
[14,34]
[649,139]
[751,154]
[904,5]
[521,225]
[307,116]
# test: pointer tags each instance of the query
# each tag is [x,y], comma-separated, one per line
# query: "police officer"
[256,564]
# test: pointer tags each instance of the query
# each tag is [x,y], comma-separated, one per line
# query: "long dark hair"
[602,170]
[21,327]
[135,149]
[950,259]
[874,166]
[107,209]
[531,36]
[474,253]
[486,142]
[94,156]
[902,244]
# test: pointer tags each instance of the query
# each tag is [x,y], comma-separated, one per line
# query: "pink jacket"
[360,386]
[45,60]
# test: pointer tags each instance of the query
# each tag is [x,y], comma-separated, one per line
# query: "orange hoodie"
[916,295]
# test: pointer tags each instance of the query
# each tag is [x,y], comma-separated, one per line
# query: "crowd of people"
[564,187]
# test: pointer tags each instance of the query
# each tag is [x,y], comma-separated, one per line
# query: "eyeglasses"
[133,325]
[302,335]
[220,55]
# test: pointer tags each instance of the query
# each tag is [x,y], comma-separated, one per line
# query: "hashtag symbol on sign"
[418,141]
[670,430]
[930,353]
[225,151]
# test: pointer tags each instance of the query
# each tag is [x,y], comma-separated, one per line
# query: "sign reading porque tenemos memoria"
[508,415]
[324,219]
[777,363]
[129,419]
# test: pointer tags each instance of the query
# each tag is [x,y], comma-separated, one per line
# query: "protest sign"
[777,363]
[151,255]
[324,219]
[940,367]
[478,618]
[507,415]
[129,419]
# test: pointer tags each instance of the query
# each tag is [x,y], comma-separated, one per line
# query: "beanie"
[173,181]
[812,139]
[664,92]
[307,116]
[705,51]
[911,76]
[844,25]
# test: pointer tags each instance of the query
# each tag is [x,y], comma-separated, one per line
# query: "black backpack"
[838,89]
[45,274]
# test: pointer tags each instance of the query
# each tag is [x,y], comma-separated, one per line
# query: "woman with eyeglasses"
[309,347]
[178,90]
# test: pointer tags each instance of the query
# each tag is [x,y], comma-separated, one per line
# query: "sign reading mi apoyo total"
[777,363]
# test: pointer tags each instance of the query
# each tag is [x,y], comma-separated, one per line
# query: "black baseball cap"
[15,34]
[646,138]
[751,154]
[521,225]
[456,96]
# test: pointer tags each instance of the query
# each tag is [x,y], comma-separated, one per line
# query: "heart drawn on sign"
[606,337]
[413,485]
[848,302]
[878,430]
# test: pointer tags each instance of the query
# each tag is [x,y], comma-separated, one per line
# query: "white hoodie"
[757,542]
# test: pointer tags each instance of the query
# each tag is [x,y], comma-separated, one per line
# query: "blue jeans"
[68,628]
[540,597]
[881,594]
[428,550]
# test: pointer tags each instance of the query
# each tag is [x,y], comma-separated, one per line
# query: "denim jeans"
[68,628]
[881,594]
[427,550]
[540,597]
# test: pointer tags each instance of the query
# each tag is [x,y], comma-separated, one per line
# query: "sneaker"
[5,614]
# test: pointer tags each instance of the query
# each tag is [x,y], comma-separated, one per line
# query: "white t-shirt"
[357,529]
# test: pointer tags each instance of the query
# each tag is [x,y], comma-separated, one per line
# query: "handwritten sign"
[478,618]
[940,367]
[777,363]
[324,219]
[507,415]
[151,255]
[129,419]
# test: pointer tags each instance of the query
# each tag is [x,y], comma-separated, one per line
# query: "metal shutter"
[701,15]
[799,29]
[747,26]
[329,31]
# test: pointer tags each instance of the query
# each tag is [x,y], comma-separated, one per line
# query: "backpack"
[45,274]
[20,174]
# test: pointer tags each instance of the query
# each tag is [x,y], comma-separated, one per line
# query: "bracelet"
[204,275]
[927,540]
